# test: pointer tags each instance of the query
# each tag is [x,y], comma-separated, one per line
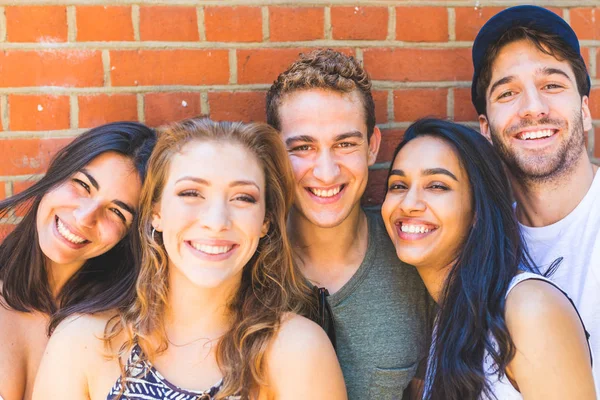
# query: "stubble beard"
[543,169]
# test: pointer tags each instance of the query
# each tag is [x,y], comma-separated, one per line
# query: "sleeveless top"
[501,388]
[144,382]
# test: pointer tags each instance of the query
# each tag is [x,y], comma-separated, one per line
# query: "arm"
[62,373]
[552,359]
[12,363]
[301,363]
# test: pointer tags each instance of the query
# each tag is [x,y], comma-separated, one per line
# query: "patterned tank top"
[144,382]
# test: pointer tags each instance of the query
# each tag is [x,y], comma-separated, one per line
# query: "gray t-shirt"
[380,318]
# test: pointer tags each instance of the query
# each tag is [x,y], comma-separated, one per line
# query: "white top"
[502,389]
[576,238]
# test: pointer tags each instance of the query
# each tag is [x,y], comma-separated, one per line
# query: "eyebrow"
[207,183]
[95,184]
[426,172]
[348,135]
[299,138]
[544,71]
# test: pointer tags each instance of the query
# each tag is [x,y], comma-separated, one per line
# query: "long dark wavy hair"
[102,283]
[472,300]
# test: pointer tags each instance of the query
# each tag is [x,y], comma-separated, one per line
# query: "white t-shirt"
[575,238]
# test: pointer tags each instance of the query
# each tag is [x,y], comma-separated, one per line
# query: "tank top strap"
[524,276]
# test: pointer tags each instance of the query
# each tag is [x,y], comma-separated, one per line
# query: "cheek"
[300,166]
[356,163]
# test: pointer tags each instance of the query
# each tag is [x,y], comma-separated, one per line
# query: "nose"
[533,104]
[326,168]
[412,202]
[216,216]
[87,213]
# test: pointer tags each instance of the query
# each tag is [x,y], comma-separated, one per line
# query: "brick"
[288,24]
[422,24]
[169,67]
[419,64]
[163,108]
[412,104]
[594,103]
[19,186]
[233,24]
[28,156]
[5,229]
[463,107]
[168,23]
[103,108]
[469,20]
[586,22]
[77,68]
[44,24]
[2,190]
[390,138]
[376,186]
[597,141]
[380,97]
[359,23]
[237,106]
[264,65]
[104,23]
[38,113]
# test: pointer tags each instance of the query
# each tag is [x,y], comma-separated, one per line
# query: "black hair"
[102,283]
[472,300]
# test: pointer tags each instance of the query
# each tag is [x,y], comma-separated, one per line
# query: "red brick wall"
[67,66]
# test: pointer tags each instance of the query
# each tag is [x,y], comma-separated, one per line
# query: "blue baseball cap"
[534,17]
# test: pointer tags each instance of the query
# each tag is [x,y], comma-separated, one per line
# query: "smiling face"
[427,210]
[212,212]
[89,213]
[535,116]
[325,133]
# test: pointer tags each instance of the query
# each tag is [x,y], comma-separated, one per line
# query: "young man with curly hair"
[323,106]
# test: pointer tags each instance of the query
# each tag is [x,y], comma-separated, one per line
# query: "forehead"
[216,161]
[321,113]
[112,167]
[427,152]
[523,60]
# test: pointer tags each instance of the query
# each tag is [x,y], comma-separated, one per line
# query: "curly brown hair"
[322,69]
[270,286]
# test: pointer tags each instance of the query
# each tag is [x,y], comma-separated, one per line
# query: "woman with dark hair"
[72,252]
[500,332]
[218,296]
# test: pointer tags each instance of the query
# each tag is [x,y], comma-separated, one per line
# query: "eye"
[245,198]
[506,94]
[345,145]
[553,86]
[397,186]
[189,193]
[119,214]
[439,186]
[82,184]
[303,147]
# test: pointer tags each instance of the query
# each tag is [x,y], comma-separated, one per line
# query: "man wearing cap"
[531,90]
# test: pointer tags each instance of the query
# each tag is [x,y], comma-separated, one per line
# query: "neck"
[59,274]
[196,312]
[329,256]
[434,278]
[543,204]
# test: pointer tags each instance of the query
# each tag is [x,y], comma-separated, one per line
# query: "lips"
[537,134]
[413,229]
[326,192]
[212,250]
[68,235]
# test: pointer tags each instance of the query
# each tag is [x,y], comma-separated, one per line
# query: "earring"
[153,232]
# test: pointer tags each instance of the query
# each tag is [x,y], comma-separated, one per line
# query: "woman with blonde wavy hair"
[218,299]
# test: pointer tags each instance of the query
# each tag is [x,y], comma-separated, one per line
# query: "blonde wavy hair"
[271,285]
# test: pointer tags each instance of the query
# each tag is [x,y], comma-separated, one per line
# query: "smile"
[67,234]
[326,193]
[211,249]
[414,230]
[532,135]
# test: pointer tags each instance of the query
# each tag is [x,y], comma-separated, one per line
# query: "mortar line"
[106,68]
[593,62]
[135,20]
[451,24]
[390,106]
[4,115]
[327,23]
[266,33]
[450,103]
[74,111]
[201,27]
[391,23]
[359,55]
[567,15]
[71,24]
[204,105]
[233,66]
[141,112]
[2,25]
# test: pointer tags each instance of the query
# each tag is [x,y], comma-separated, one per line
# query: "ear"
[374,143]
[265,228]
[586,115]
[484,127]
[156,218]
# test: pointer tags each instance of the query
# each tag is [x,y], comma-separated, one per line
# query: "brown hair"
[270,283]
[322,69]
[547,43]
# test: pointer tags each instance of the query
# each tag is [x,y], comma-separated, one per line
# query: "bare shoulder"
[13,358]
[299,334]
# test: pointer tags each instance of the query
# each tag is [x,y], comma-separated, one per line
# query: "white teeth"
[211,249]
[67,234]
[537,134]
[326,193]
[414,228]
